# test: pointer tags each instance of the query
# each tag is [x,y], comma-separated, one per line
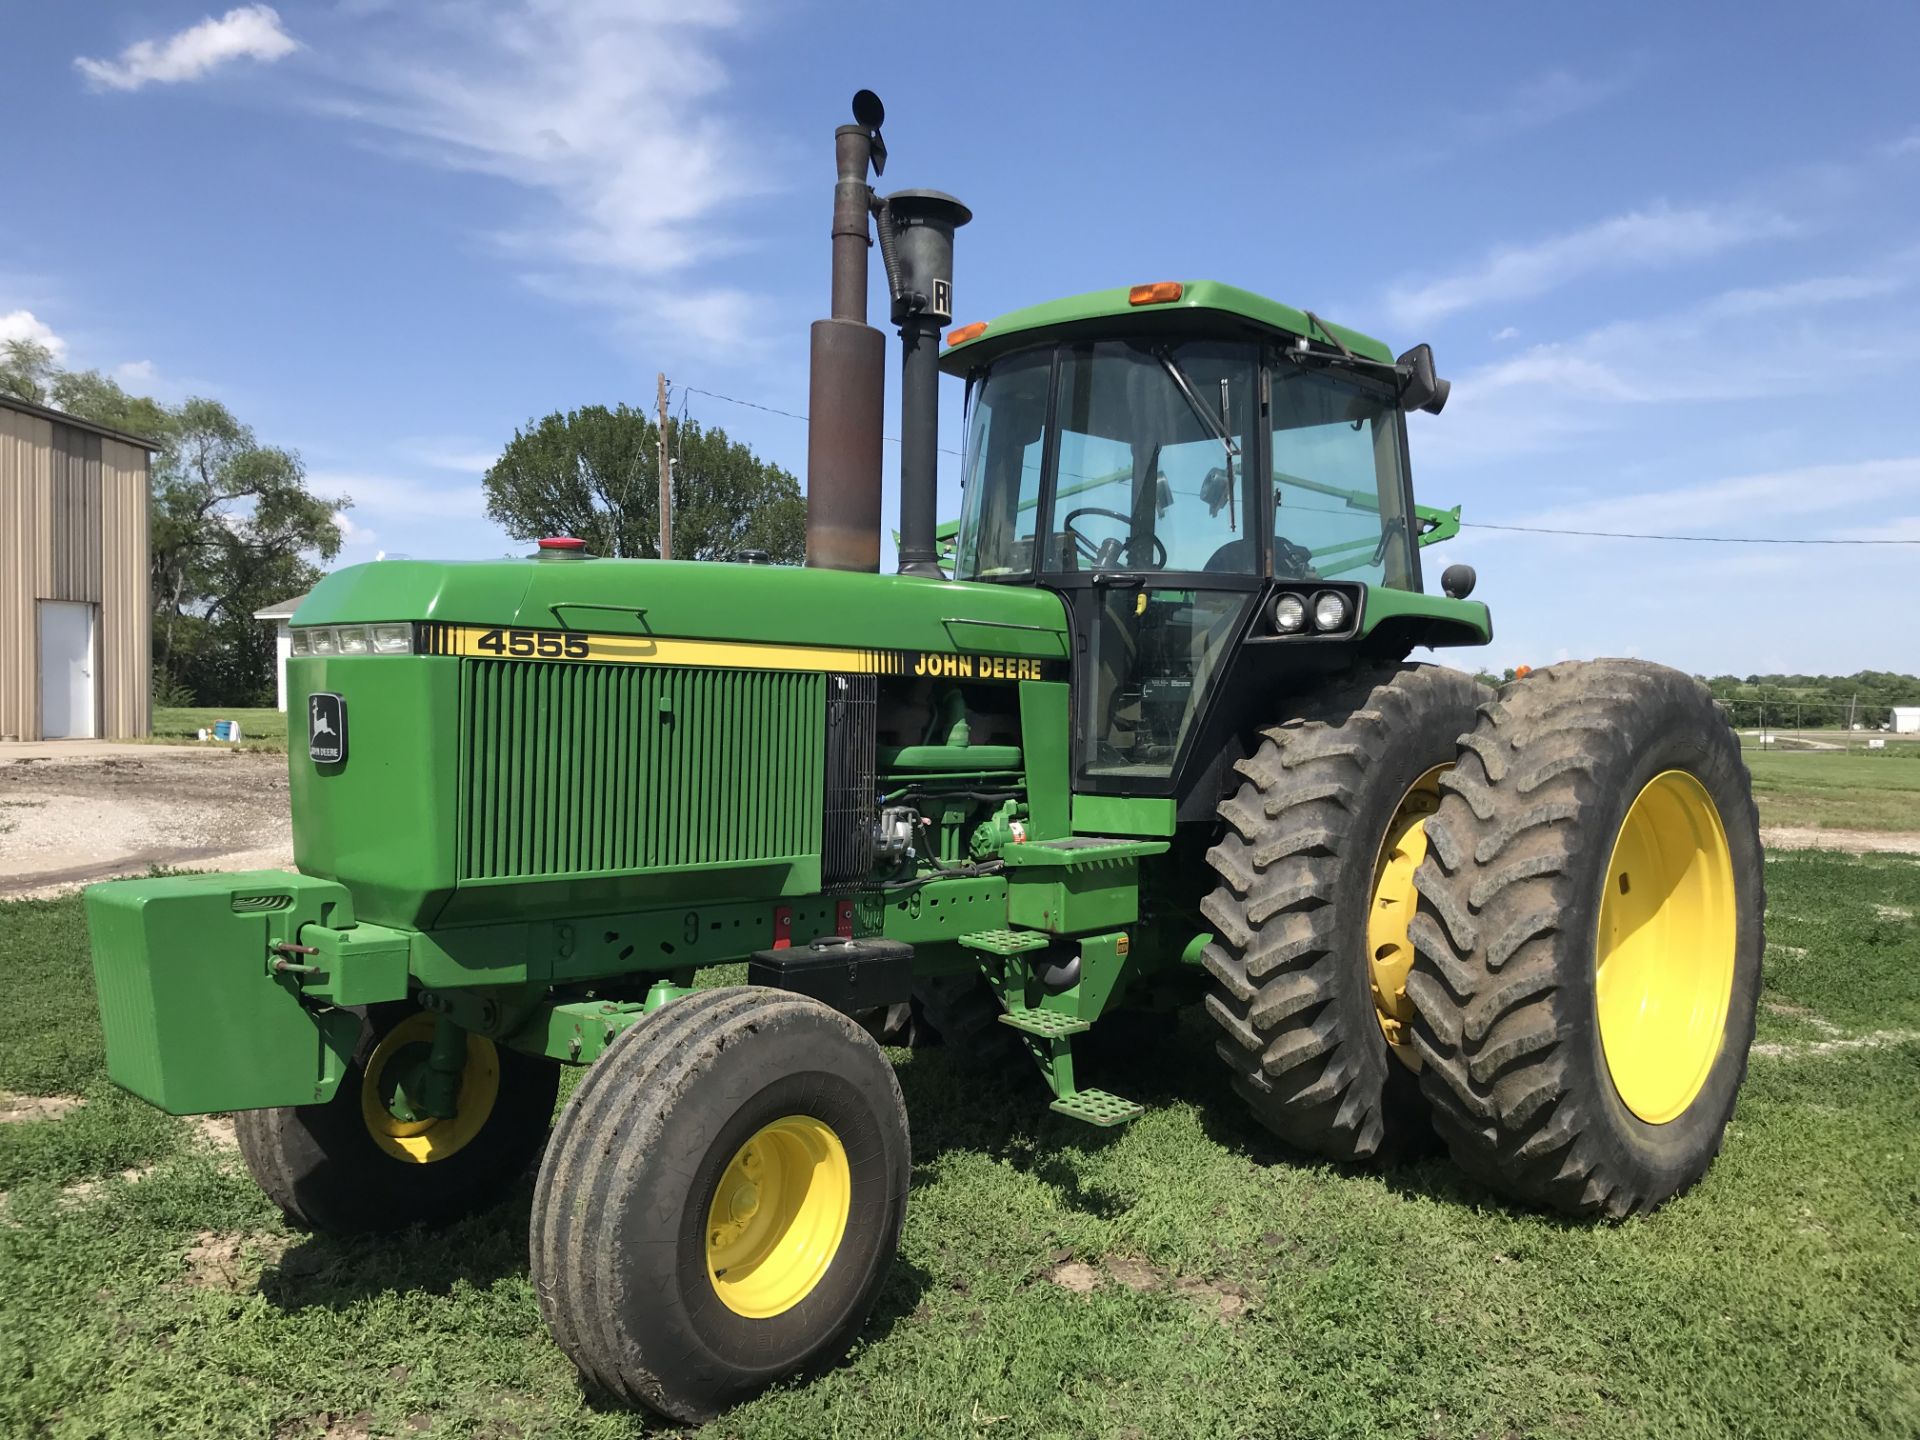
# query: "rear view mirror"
[1420,388]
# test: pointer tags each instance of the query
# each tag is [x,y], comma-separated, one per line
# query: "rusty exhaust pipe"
[847,383]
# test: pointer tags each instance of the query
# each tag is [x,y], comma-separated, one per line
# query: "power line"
[773,410]
[1464,524]
[1696,539]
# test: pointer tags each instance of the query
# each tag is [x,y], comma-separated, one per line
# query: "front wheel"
[367,1160]
[722,1200]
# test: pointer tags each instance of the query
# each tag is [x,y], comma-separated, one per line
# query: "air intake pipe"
[916,240]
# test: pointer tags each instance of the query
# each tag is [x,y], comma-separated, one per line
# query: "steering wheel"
[1101,557]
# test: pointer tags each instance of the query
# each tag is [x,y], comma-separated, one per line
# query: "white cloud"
[1753,343]
[1773,503]
[454,453]
[1908,144]
[399,497]
[1641,239]
[135,372]
[1817,290]
[1544,99]
[605,110]
[25,325]
[1902,527]
[250,32]
[1505,332]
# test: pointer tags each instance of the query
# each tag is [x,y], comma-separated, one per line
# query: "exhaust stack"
[846,391]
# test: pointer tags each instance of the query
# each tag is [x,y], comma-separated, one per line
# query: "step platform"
[1047,1024]
[1006,942]
[1097,1107]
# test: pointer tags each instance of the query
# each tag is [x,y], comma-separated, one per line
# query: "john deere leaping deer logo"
[326,728]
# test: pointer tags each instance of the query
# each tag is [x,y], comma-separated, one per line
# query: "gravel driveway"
[70,817]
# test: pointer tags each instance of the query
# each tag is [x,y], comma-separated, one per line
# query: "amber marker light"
[1158,293]
[967,332]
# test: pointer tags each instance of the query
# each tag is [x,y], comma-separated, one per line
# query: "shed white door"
[66,671]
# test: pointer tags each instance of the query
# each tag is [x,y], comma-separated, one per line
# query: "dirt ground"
[1853,842]
[68,820]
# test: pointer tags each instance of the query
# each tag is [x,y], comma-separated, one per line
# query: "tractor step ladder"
[1049,1035]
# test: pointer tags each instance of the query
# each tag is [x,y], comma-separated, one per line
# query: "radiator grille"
[852,720]
[572,769]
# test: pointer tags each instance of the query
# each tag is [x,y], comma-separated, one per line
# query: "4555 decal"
[532,644]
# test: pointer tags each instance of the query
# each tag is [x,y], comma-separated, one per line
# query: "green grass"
[1779,1298]
[260,729]
[1866,790]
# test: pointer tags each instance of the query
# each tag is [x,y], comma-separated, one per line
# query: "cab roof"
[1075,311]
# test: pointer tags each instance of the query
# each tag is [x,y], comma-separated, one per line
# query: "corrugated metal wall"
[126,613]
[73,516]
[73,526]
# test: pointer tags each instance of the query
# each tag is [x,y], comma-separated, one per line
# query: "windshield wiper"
[1216,424]
[1300,353]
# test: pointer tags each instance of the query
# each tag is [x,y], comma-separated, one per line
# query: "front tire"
[1310,956]
[1588,943]
[722,1200]
[349,1167]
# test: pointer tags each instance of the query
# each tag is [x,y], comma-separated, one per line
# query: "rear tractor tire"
[1588,939]
[1316,866]
[355,1166]
[721,1202]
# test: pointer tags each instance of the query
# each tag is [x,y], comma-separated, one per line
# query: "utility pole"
[666,479]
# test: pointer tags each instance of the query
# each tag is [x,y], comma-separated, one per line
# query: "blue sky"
[1669,258]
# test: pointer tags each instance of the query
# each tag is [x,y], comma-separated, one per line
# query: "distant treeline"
[1872,693]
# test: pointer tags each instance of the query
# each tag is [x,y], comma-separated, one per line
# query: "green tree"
[594,473]
[233,526]
[27,369]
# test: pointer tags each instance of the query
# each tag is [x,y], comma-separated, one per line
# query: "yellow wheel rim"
[1663,963]
[778,1216]
[423,1141]
[1389,951]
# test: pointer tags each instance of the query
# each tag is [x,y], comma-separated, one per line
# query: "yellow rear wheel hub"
[1664,948]
[423,1140]
[778,1216]
[1389,951]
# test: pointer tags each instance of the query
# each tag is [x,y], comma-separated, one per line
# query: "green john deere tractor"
[1157,736]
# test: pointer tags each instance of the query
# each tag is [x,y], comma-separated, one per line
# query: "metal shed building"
[74,616]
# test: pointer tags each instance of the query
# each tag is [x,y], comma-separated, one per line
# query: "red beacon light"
[562,545]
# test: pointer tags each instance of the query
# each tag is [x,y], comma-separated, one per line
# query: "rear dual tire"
[1318,831]
[1589,936]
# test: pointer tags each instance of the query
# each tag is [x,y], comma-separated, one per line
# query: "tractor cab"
[1174,461]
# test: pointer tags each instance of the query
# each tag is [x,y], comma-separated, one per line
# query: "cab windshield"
[1149,461]
[1153,457]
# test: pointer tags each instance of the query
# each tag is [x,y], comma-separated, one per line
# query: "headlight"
[353,639]
[323,641]
[393,639]
[1330,610]
[301,645]
[1289,614]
